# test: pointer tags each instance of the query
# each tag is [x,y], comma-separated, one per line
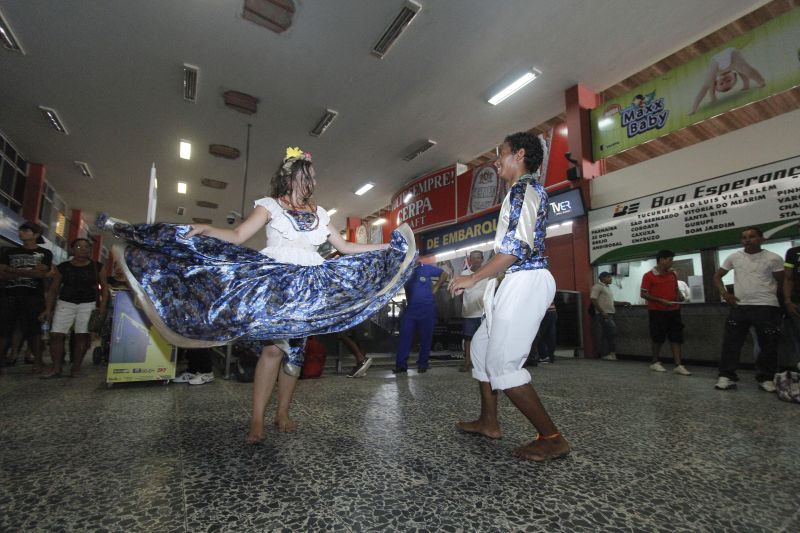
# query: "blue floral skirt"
[202,291]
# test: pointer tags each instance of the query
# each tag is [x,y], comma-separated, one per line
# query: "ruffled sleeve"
[279,221]
[269,204]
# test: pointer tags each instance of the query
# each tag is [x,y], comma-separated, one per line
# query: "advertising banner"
[706,214]
[565,206]
[475,231]
[441,198]
[751,67]
[426,202]
[138,352]
[562,207]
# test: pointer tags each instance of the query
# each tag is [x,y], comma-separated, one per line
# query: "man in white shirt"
[472,306]
[604,311]
[758,274]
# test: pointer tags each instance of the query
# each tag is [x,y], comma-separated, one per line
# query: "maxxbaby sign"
[706,214]
[751,67]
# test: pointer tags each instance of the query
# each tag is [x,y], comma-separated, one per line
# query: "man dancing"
[513,314]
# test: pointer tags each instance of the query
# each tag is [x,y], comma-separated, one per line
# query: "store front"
[702,223]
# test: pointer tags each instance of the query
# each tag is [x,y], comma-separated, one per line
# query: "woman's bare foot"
[490,431]
[256,433]
[543,449]
[284,424]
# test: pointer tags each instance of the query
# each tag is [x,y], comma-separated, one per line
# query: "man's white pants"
[513,314]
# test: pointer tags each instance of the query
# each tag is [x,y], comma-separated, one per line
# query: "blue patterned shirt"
[522,225]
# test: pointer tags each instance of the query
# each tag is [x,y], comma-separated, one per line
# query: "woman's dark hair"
[532,145]
[283,181]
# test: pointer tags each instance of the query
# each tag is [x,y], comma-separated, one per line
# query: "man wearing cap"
[603,302]
[24,268]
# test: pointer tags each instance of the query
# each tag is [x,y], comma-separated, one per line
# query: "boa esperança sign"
[706,214]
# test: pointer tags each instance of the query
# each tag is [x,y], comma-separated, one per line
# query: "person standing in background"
[758,273]
[472,307]
[548,335]
[603,302]
[24,268]
[419,316]
[660,289]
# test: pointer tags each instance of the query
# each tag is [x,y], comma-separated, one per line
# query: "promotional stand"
[138,352]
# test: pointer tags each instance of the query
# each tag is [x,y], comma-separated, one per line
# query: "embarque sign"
[706,214]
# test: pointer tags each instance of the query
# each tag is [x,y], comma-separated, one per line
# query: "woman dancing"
[202,292]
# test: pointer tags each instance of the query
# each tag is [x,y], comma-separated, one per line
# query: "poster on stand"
[707,214]
[138,352]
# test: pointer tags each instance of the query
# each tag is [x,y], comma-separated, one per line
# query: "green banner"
[751,67]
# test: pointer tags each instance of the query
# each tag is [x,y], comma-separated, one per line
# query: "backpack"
[314,359]
[787,386]
[246,354]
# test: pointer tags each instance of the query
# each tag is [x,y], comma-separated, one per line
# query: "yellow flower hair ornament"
[293,153]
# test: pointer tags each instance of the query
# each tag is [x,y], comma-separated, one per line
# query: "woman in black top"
[78,286]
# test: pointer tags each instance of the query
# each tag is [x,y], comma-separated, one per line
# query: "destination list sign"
[702,215]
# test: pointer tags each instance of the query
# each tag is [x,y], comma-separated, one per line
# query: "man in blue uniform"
[419,316]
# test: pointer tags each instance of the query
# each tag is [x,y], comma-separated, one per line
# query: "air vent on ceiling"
[180,211]
[190,83]
[202,220]
[84,168]
[398,26]
[220,150]
[203,203]
[54,120]
[214,184]
[241,102]
[275,15]
[324,122]
[424,147]
[10,42]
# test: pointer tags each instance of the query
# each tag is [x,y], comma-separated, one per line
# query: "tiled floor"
[652,452]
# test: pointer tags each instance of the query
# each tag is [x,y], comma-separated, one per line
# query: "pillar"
[34,188]
[579,101]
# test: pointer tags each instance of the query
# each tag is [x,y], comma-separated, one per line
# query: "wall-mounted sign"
[427,201]
[562,207]
[441,198]
[751,67]
[706,214]
[474,231]
[565,206]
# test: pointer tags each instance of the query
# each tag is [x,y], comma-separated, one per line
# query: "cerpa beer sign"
[427,201]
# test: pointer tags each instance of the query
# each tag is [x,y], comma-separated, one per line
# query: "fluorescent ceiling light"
[54,120]
[7,37]
[521,82]
[186,150]
[181,187]
[364,188]
[331,212]
[84,168]
[379,221]
[407,198]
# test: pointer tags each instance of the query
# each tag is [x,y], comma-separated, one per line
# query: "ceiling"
[113,72]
